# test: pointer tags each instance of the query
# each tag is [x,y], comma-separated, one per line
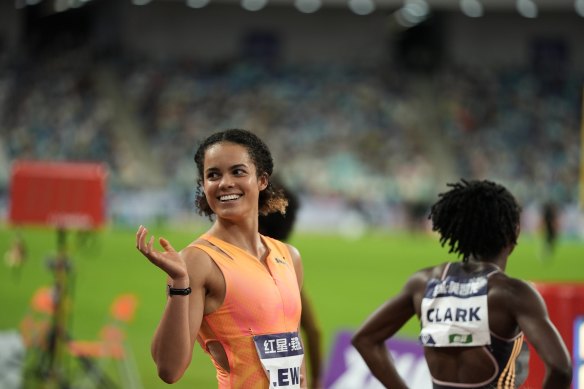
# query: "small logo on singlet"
[459,338]
[427,340]
[280,261]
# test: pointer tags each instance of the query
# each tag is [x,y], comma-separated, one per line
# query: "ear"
[263,181]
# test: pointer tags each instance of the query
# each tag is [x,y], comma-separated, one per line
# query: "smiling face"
[230,181]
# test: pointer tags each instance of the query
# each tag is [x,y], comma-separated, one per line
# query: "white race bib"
[281,356]
[455,313]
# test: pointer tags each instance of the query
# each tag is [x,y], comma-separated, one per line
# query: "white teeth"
[229,197]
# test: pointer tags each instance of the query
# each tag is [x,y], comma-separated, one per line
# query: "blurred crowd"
[372,136]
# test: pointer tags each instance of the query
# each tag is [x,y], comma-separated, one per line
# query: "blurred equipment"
[37,333]
[15,256]
[11,360]
[45,331]
[64,196]
[578,353]
[57,194]
[111,345]
[565,303]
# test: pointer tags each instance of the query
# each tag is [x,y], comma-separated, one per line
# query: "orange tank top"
[257,301]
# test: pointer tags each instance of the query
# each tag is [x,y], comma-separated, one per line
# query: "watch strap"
[178,291]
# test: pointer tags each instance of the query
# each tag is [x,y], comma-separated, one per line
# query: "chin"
[229,213]
[233,213]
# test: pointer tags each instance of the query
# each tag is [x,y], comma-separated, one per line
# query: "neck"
[242,235]
[499,261]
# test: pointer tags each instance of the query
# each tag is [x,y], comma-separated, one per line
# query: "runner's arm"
[174,339]
[533,319]
[369,340]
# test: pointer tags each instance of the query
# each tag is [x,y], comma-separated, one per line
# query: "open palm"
[169,260]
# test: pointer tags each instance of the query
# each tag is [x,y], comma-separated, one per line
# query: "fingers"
[141,234]
[146,247]
[166,244]
[150,243]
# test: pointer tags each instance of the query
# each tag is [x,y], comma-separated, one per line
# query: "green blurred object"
[347,279]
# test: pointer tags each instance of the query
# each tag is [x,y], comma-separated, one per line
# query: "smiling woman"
[233,290]
[245,151]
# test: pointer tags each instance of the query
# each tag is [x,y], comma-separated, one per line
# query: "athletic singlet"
[257,302]
[502,352]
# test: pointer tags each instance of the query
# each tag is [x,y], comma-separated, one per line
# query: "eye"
[212,176]
[239,171]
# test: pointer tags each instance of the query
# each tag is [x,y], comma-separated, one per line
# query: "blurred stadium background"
[369,107]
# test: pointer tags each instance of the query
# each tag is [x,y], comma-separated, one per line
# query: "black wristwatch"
[178,291]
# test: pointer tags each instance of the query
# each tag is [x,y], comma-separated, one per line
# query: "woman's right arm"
[177,330]
[370,339]
[532,317]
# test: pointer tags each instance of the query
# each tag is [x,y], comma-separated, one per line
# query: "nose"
[226,181]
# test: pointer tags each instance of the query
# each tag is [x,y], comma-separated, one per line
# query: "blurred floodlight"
[579,6]
[416,8]
[253,5]
[399,18]
[471,8]
[307,6]
[362,7]
[141,2]
[197,3]
[413,12]
[527,8]
[61,5]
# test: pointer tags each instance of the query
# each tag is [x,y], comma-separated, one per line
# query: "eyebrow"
[239,165]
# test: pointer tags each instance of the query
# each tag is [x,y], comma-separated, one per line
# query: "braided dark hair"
[478,218]
[270,199]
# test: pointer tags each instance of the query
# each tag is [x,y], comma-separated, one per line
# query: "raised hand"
[168,260]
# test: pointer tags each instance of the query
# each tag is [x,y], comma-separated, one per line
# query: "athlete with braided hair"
[473,316]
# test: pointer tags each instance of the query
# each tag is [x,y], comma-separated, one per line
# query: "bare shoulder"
[199,263]
[420,278]
[513,292]
[415,287]
[297,261]
[294,253]
[505,283]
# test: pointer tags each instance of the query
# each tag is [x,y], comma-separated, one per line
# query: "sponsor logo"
[280,261]
[347,369]
[427,340]
[473,287]
[460,338]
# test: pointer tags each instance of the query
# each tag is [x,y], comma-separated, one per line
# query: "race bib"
[455,313]
[281,356]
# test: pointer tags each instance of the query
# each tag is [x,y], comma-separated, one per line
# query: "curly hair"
[478,218]
[279,225]
[270,199]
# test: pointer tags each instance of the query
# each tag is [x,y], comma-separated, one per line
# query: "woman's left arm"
[297,260]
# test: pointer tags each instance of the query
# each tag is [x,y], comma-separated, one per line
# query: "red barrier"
[57,194]
[565,302]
